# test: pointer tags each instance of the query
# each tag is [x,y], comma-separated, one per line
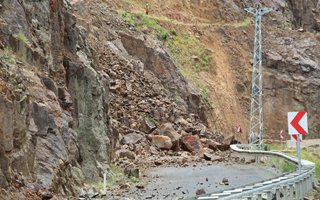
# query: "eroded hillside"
[79,88]
[291,56]
[85,85]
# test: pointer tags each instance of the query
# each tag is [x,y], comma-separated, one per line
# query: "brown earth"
[291,72]
[80,89]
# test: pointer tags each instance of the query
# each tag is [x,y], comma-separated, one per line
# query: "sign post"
[298,126]
[299,154]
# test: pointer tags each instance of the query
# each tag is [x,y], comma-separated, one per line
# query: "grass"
[191,55]
[313,158]
[287,167]
[118,176]
[306,155]
[205,94]
[7,55]
[145,24]
[22,37]
[246,22]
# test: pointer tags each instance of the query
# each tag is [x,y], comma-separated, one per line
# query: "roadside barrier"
[292,185]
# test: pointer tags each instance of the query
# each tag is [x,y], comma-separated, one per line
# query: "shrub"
[21,37]
[8,55]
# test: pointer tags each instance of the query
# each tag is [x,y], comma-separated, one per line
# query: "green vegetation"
[145,24]
[246,22]
[118,176]
[205,95]
[21,37]
[280,164]
[274,147]
[7,55]
[287,167]
[306,155]
[189,52]
[315,158]
[129,1]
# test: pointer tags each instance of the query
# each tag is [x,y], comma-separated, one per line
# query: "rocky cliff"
[80,87]
[74,80]
[54,125]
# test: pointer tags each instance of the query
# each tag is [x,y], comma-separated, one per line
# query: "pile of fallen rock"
[148,120]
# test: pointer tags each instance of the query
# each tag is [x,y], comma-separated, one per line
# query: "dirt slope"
[225,29]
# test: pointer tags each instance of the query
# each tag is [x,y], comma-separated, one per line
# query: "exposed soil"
[222,27]
[82,90]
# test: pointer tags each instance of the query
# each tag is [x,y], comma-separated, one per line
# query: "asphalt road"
[183,182]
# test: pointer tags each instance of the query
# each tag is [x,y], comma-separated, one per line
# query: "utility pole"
[256,112]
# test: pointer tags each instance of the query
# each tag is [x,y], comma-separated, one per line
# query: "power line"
[256,111]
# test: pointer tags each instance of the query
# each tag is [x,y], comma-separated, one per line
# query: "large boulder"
[148,125]
[132,138]
[191,143]
[217,146]
[125,153]
[161,142]
[168,130]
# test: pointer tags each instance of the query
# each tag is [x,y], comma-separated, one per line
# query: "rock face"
[158,61]
[305,13]
[74,83]
[293,80]
[54,104]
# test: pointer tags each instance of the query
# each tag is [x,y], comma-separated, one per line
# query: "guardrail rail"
[290,186]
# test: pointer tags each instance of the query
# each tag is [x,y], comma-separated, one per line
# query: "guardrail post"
[302,185]
[269,195]
[259,196]
[285,192]
[291,189]
[305,183]
[301,189]
[278,193]
[297,189]
[309,181]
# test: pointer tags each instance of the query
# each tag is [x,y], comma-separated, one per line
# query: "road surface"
[183,182]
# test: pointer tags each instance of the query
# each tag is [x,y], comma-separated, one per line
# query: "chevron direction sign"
[297,124]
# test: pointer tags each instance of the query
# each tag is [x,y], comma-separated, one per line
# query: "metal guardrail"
[290,186]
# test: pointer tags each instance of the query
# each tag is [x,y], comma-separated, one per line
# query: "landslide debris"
[291,52]
[79,88]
